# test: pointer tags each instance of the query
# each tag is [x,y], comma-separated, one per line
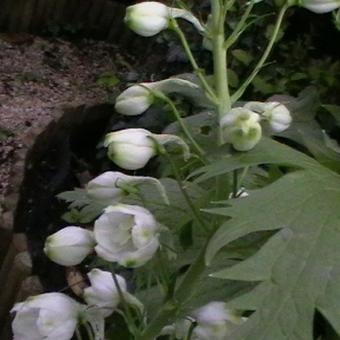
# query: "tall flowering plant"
[198,241]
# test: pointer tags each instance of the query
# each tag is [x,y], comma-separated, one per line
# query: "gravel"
[37,75]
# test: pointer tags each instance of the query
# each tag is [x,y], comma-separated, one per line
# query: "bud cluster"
[241,126]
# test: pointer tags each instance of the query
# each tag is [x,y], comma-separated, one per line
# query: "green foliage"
[297,269]
[108,80]
[4,133]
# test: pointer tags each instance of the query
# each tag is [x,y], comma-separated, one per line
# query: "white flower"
[151,17]
[241,128]
[320,6]
[126,234]
[213,321]
[134,100]
[103,292]
[47,316]
[111,186]
[69,246]
[277,114]
[131,149]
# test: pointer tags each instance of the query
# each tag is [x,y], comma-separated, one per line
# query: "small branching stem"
[198,71]
[195,213]
[184,128]
[238,94]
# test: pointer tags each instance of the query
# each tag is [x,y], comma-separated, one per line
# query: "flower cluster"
[241,126]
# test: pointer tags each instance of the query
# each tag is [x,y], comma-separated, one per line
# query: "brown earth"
[37,75]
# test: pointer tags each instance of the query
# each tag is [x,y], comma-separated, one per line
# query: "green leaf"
[108,80]
[298,268]
[177,213]
[77,197]
[233,78]
[243,56]
[334,110]
[267,151]
[306,131]
[4,133]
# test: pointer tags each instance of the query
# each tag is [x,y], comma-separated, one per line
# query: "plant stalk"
[220,61]
[184,128]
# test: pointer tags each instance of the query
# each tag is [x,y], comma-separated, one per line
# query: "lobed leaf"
[298,268]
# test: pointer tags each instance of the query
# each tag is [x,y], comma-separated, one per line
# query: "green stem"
[238,94]
[195,213]
[235,183]
[78,334]
[200,74]
[131,323]
[191,330]
[239,27]
[182,294]
[183,126]
[89,331]
[220,61]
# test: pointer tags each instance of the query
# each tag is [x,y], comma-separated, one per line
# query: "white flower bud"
[241,128]
[138,98]
[134,100]
[277,114]
[105,187]
[131,149]
[126,234]
[103,292]
[320,6]
[147,18]
[151,17]
[69,246]
[111,186]
[47,316]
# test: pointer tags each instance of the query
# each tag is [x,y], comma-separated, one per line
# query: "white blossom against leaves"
[126,234]
[241,128]
[275,113]
[103,292]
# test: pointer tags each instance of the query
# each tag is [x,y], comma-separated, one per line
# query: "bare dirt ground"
[36,76]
